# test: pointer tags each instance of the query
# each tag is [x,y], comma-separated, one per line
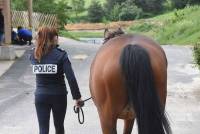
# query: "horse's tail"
[139,81]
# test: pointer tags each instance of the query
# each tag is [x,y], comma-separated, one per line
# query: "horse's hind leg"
[128,126]
[108,124]
[109,127]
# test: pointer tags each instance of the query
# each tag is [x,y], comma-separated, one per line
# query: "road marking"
[80,57]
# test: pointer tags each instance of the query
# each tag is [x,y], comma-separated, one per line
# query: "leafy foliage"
[152,6]
[179,4]
[111,3]
[62,10]
[196,53]
[129,11]
[133,9]
[114,14]
[77,6]
[95,12]
[19,5]
[43,6]
[125,11]
[193,2]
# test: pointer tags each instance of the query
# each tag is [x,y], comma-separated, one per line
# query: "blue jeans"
[44,105]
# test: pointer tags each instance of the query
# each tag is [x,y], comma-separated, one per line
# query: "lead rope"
[77,110]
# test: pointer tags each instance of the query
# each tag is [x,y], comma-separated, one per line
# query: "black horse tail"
[139,81]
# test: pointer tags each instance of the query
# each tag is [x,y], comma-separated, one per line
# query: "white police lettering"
[45,69]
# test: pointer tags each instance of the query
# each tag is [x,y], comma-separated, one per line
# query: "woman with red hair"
[50,63]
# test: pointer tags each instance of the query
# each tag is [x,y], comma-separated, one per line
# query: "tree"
[114,13]
[150,6]
[147,7]
[77,6]
[113,8]
[193,2]
[179,3]
[111,3]
[62,11]
[183,3]
[19,5]
[129,11]
[95,12]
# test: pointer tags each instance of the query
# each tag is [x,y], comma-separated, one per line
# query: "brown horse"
[128,80]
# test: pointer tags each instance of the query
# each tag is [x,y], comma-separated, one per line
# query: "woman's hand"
[79,103]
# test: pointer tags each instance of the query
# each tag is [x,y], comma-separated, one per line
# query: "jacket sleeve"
[69,73]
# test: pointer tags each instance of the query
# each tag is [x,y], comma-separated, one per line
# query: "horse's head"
[111,34]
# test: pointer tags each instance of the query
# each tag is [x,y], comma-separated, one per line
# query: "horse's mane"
[109,35]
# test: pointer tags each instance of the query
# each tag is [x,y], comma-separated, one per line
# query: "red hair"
[45,41]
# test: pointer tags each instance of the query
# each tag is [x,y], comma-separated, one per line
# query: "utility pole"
[30,13]
[7,21]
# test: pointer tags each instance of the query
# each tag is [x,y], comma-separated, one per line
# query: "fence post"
[30,13]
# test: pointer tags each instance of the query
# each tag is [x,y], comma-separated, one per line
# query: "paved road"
[17,113]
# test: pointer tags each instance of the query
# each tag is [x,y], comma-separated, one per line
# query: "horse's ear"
[106,30]
[120,29]
[106,33]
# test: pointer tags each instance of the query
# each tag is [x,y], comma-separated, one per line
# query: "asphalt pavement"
[17,85]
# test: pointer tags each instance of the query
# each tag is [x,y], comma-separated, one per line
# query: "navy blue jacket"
[24,33]
[47,83]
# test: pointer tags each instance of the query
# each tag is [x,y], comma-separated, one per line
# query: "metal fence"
[20,18]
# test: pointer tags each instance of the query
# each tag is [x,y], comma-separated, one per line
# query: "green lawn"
[81,34]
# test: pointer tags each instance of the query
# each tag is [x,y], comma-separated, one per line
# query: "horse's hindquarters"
[108,83]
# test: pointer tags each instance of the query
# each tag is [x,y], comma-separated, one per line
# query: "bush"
[61,9]
[193,2]
[168,6]
[114,14]
[177,17]
[179,4]
[150,6]
[129,12]
[196,53]
[95,12]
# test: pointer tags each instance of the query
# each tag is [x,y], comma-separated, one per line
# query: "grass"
[177,27]
[64,33]
[143,27]
[81,34]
